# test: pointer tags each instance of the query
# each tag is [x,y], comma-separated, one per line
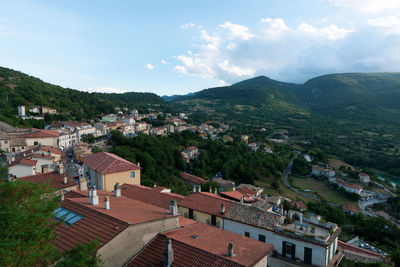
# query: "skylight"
[66,216]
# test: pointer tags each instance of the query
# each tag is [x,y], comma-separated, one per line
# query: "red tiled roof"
[42,134]
[52,150]
[300,204]
[104,163]
[236,195]
[206,202]
[40,155]
[351,208]
[185,221]
[355,186]
[149,195]
[209,249]
[191,148]
[344,246]
[54,179]
[123,208]
[23,161]
[93,225]
[245,190]
[192,178]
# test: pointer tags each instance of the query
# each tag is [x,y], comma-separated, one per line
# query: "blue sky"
[176,47]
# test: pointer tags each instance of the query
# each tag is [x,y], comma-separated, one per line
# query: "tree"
[27,227]
[79,256]
[88,138]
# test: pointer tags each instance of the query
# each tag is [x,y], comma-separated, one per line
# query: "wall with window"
[109,180]
[200,216]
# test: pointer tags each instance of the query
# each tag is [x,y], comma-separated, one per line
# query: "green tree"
[81,256]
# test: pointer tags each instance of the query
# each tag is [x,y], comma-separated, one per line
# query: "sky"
[181,46]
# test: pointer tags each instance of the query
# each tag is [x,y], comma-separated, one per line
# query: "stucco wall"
[42,161]
[128,243]
[21,170]
[109,180]
[262,263]
[200,216]
[319,254]
[48,141]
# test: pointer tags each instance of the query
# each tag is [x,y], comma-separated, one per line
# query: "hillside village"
[236,225]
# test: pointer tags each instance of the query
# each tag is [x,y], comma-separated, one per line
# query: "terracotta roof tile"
[52,150]
[54,179]
[208,249]
[42,134]
[149,195]
[104,163]
[39,155]
[206,202]
[192,178]
[23,161]
[344,246]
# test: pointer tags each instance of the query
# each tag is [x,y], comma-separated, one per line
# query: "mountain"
[170,98]
[374,96]
[17,88]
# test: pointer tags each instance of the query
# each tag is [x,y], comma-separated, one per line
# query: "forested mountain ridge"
[17,88]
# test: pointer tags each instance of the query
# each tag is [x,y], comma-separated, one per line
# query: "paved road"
[288,185]
[364,204]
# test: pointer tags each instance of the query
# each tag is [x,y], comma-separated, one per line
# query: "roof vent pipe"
[117,190]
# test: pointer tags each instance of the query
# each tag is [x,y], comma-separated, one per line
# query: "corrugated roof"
[208,249]
[104,163]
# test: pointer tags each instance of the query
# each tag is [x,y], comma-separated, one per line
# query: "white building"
[21,111]
[86,130]
[22,167]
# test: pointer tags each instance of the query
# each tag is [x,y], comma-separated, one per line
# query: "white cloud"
[368,6]
[187,25]
[149,66]
[163,61]
[292,53]
[237,30]
[102,89]
[223,83]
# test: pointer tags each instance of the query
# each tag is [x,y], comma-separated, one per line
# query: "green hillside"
[17,88]
[369,96]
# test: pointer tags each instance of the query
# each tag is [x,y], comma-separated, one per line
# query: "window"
[307,255]
[246,234]
[288,250]
[35,143]
[132,174]
[190,214]
[66,216]
[6,142]
[261,238]
[213,220]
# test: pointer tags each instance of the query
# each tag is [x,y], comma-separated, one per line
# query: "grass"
[320,188]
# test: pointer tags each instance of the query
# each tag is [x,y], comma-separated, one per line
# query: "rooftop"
[203,245]
[105,163]
[206,202]
[42,134]
[54,179]
[149,195]
[192,178]
[23,161]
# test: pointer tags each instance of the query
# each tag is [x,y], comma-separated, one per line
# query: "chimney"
[222,208]
[82,184]
[230,250]
[107,203]
[173,208]
[198,188]
[301,217]
[154,185]
[234,189]
[138,164]
[65,180]
[168,253]
[210,189]
[241,199]
[215,191]
[94,198]
[194,189]
[117,190]
[60,168]
[62,195]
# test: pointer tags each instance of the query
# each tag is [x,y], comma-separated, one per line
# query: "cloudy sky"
[180,46]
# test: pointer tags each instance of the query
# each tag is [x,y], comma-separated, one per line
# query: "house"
[320,171]
[191,179]
[253,146]
[297,240]
[205,207]
[109,118]
[82,150]
[44,162]
[268,149]
[43,137]
[227,138]
[104,170]
[67,139]
[250,189]
[299,204]
[123,226]
[225,185]
[21,111]
[191,152]
[22,167]
[360,254]
[4,142]
[364,178]
[352,188]
[55,180]
[47,110]
[244,139]
[238,196]
[350,210]
[84,131]
[157,196]
[199,245]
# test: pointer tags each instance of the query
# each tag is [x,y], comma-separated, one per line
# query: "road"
[288,185]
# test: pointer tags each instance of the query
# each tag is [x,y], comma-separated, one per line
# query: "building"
[320,171]
[253,146]
[227,138]
[22,167]
[299,205]
[352,188]
[239,196]
[123,226]
[191,152]
[364,178]
[199,245]
[43,137]
[47,110]
[350,210]
[225,185]
[191,179]
[104,170]
[56,180]
[21,111]
[205,207]
[44,162]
